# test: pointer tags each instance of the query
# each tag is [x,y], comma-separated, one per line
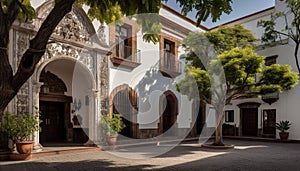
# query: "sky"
[240,8]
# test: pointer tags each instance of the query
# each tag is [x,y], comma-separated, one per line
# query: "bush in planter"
[18,128]
[111,125]
[283,126]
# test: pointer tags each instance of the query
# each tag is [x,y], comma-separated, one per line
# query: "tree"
[233,73]
[104,11]
[291,28]
[206,8]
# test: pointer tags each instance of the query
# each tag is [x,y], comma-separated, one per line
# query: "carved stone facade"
[74,40]
[22,99]
[59,49]
[71,29]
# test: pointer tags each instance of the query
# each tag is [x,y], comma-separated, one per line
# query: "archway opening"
[64,102]
[123,101]
[169,111]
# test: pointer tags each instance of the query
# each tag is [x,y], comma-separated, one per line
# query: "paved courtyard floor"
[247,155]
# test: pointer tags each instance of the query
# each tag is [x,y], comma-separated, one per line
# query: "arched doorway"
[249,118]
[123,100]
[66,49]
[65,101]
[53,106]
[168,114]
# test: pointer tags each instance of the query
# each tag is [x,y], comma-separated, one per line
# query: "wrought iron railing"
[169,63]
[270,98]
[127,53]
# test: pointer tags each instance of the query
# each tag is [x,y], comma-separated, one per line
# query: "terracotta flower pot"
[24,147]
[111,141]
[284,135]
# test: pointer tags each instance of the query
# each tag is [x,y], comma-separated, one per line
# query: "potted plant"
[283,126]
[19,128]
[111,125]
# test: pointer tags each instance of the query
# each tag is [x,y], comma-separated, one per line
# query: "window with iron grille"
[229,116]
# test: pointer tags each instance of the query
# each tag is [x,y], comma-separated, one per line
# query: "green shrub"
[112,124]
[19,127]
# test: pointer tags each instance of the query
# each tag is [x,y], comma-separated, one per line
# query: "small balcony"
[168,66]
[270,98]
[125,57]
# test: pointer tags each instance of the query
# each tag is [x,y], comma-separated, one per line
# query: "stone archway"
[75,41]
[123,100]
[168,110]
[66,94]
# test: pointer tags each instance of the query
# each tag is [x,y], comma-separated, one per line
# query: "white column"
[93,119]
[35,101]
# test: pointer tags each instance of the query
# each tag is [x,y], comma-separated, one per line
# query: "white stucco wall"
[154,83]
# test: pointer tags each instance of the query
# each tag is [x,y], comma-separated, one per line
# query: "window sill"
[124,63]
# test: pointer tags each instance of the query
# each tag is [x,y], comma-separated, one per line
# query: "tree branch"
[38,44]
[12,12]
[1,11]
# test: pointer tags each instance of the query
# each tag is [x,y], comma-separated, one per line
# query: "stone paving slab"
[247,155]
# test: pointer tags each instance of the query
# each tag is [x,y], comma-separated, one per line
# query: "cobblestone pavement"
[247,155]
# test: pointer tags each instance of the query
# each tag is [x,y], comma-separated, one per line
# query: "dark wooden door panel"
[249,121]
[52,114]
[269,120]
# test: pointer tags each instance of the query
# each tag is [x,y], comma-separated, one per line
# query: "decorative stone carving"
[22,98]
[21,46]
[70,28]
[101,34]
[85,56]
[104,85]
[52,83]
[22,101]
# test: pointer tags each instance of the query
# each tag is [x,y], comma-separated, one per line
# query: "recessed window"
[124,41]
[229,116]
[270,60]
[169,51]
[124,51]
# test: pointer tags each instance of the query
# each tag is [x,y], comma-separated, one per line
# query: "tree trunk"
[6,91]
[9,83]
[218,134]
[296,56]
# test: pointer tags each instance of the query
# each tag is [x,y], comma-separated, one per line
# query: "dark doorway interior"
[123,106]
[53,127]
[249,121]
[169,115]
[200,118]
[269,120]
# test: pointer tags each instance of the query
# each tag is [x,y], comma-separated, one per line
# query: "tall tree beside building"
[235,71]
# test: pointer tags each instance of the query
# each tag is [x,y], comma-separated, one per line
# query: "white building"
[256,117]
[91,69]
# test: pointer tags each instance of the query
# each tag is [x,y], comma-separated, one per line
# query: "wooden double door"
[53,125]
